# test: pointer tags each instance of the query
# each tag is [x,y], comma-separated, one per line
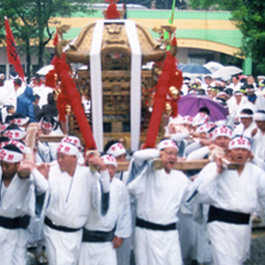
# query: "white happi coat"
[70,201]
[119,216]
[239,130]
[43,92]
[230,191]
[258,145]
[18,199]
[124,251]
[159,196]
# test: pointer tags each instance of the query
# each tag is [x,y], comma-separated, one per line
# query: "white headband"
[221,131]
[167,143]
[3,126]
[10,156]
[187,119]
[245,115]
[23,148]
[205,128]
[16,134]
[259,116]
[20,121]
[116,149]
[72,140]
[239,142]
[2,144]
[71,150]
[200,118]
[109,160]
[46,125]
[238,92]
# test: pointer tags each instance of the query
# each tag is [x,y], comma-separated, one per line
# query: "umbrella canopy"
[193,68]
[213,66]
[45,69]
[227,71]
[190,105]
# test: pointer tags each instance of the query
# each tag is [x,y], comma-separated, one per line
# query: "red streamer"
[167,78]
[72,96]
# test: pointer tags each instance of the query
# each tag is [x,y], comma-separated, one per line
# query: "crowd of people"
[73,206]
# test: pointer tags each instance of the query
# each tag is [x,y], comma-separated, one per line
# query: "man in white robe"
[117,149]
[258,145]
[220,137]
[103,235]
[246,125]
[17,203]
[235,104]
[73,191]
[233,195]
[159,195]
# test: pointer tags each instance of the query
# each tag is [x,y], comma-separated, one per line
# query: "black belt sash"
[97,236]
[15,223]
[49,223]
[217,214]
[153,226]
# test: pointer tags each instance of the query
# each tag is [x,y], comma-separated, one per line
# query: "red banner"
[13,57]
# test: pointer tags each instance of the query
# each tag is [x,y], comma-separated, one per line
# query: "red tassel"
[112,12]
[61,104]
[56,38]
[50,80]
[174,42]
[174,107]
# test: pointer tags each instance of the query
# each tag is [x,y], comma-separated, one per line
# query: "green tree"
[30,22]
[248,16]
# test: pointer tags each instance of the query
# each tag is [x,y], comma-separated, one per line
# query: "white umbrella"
[213,66]
[227,71]
[45,69]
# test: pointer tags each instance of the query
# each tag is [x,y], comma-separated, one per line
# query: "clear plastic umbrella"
[213,66]
[226,72]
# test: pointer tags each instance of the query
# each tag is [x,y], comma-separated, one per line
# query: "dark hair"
[49,118]
[12,147]
[4,139]
[50,98]
[109,144]
[8,118]
[18,115]
[229,91]
[36,96]
[205,110]
[260,111]
[18,81]
[12,127]
[236,76]
[249,86]
[247,111]
[9,107]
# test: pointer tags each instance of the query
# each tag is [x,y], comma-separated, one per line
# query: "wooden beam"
[181,165]
[51,138]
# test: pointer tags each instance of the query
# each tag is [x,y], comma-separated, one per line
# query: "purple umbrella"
[190,105]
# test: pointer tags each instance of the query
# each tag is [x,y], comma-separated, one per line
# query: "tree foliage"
[30,21]
[248,15]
